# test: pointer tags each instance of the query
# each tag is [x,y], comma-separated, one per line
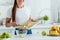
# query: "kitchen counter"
[36,33]
[36,38]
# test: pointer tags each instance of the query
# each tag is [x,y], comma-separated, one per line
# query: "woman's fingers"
[8,25]
[14,24]
[11,24]
[33,20]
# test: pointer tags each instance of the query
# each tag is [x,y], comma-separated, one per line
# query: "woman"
[19,15]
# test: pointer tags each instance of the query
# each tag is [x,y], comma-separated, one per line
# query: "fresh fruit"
[8,35]
[0,36]
[5,35]
[1,39]
[45,18]
[43,33]
[55,28]
[53,32]
[59,31]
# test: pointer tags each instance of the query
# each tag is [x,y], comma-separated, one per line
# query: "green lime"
[43,33]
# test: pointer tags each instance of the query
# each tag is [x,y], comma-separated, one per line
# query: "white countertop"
[36,37]
[37,29]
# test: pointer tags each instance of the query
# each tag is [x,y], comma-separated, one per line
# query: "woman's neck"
[20,6]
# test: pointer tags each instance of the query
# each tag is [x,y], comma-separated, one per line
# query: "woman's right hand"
[8,24]
[13,24]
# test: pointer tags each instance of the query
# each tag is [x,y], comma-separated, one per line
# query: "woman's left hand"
[32,20]
[14,24]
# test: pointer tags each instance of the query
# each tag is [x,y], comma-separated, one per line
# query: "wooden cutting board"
[53,35]
[29,24]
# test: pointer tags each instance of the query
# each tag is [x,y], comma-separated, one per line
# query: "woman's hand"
[32,20]
[8,24]
[13,24]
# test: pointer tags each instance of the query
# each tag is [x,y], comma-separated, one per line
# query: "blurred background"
[39,8]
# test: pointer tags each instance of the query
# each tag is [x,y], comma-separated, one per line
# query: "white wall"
[4,6]
[3,11]
[40,8]
[6,1]
[36,6]
[55,5]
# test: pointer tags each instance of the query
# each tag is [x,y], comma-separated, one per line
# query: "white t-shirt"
[22,15]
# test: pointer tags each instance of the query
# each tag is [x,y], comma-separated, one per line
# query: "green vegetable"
[43,33]
[45,18]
